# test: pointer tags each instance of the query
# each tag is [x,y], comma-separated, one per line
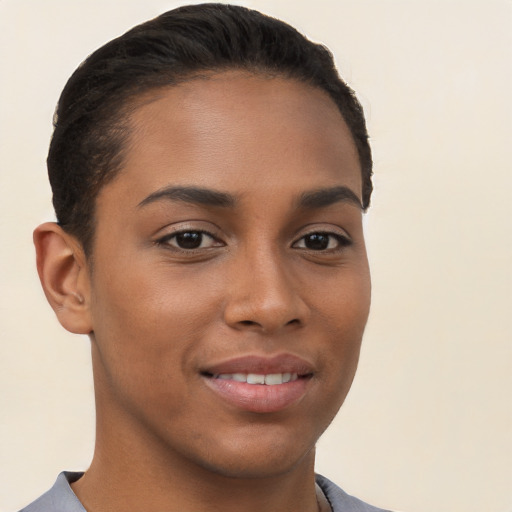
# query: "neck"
[120,481]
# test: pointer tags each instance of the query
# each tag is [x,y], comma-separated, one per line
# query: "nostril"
[252,323]
[248,322]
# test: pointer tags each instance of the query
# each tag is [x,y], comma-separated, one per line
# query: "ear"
[64,275]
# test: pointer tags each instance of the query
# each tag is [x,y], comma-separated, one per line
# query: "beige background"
[427,426]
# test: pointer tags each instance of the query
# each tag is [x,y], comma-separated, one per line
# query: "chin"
[259,455]
[252,469]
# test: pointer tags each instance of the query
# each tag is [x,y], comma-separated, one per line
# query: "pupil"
[189,240]
[317,241]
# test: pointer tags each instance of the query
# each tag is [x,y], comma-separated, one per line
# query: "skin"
[157,314]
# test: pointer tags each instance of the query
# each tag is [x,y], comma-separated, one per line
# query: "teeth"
[270,379]
[273,378]
[255,378]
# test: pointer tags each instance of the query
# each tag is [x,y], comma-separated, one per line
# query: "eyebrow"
[319,198]
[324,197]
[194,195]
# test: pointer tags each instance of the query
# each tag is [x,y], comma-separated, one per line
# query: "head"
[214,168]
[91,120]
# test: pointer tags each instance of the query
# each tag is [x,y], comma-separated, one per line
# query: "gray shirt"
[61,498]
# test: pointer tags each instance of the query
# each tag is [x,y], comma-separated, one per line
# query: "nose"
[263,295]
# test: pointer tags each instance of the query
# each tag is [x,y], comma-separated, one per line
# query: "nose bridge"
[262,292]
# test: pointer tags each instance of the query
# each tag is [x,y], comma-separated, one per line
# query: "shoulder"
[60,498]
[340,501]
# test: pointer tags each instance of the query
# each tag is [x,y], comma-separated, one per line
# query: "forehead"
[235,130]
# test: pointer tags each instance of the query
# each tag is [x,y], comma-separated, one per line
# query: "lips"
[260,384]
[269,379]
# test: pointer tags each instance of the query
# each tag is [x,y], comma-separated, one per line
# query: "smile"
[270,379]
[260,384]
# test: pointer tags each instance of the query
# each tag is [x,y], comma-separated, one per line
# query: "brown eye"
[320,241]
[190,240]
[317,241]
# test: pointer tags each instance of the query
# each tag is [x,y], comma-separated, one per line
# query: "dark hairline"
[92,131]
[145,96]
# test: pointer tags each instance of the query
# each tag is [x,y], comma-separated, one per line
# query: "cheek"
[340,319]
[147,325]
[151,297]
[343,314]
[343,303]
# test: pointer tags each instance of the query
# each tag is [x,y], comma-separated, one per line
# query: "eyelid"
[342,241]
[328,229]
[186,227]
[170,236]
[343,238]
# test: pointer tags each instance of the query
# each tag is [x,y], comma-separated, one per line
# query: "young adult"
[209,170]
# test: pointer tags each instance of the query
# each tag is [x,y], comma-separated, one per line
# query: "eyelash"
[165,240]
[341,241]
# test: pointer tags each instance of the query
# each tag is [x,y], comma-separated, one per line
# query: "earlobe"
[64,276]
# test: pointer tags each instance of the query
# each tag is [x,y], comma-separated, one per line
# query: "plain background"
[427,426]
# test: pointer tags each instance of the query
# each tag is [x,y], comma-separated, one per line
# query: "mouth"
[259,384]
[269,379]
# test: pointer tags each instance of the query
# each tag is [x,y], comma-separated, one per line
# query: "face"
[230,287]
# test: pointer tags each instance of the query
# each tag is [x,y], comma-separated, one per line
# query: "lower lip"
[259,397]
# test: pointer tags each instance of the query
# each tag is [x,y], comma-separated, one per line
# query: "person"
[209,171]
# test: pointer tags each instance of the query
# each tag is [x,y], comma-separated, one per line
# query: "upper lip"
[280,363]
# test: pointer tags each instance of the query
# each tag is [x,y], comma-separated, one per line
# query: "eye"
[322,241]
[190,240]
